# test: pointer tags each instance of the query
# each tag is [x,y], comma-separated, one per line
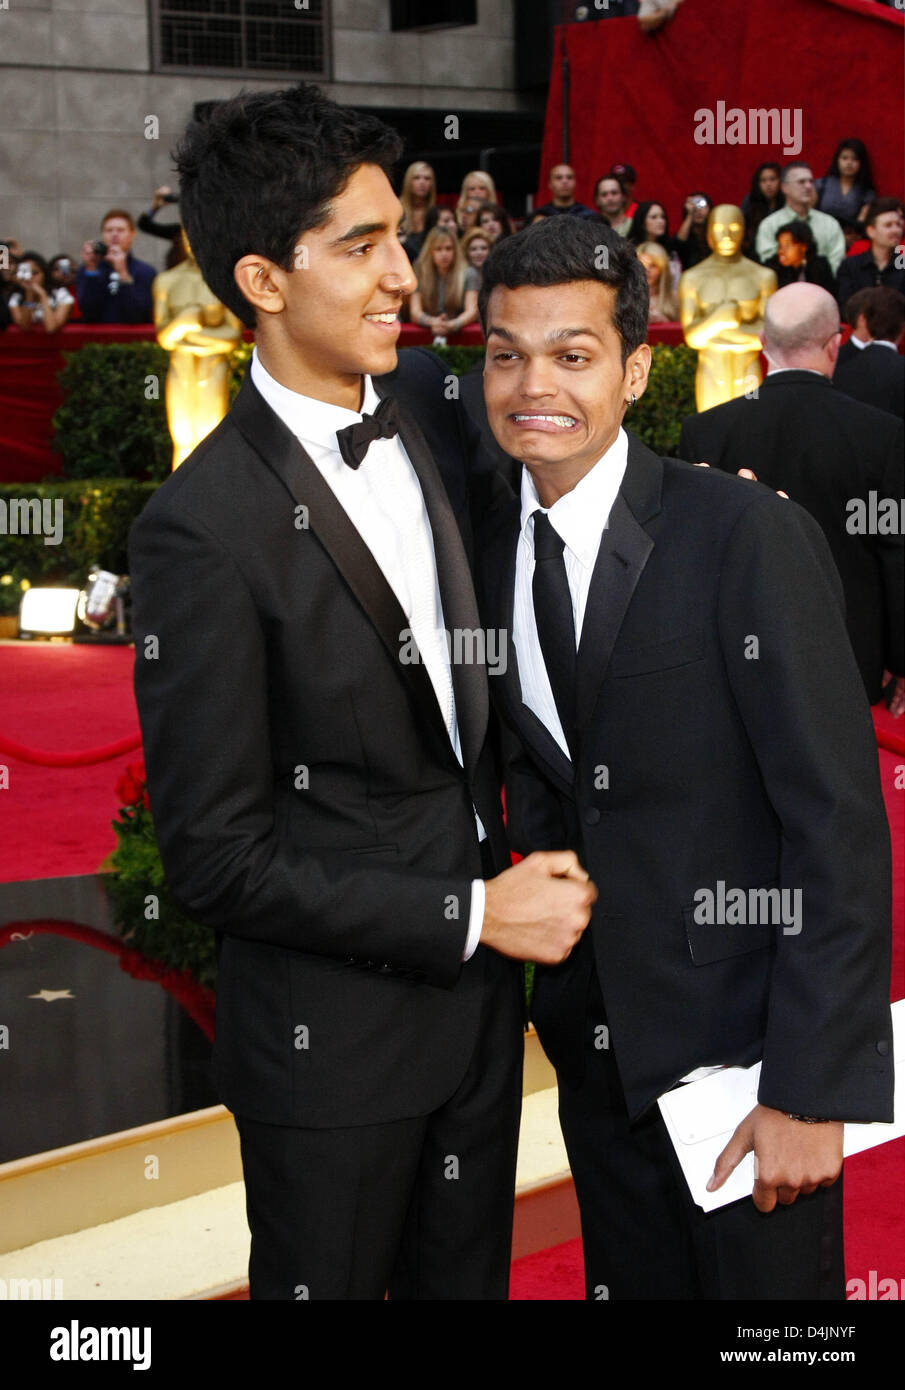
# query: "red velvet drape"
[634,95]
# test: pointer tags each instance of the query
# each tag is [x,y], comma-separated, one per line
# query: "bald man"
[562,188]
[836,457]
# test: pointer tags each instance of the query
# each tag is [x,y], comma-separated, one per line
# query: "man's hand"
[117,258]
[538,909]
[790,1156]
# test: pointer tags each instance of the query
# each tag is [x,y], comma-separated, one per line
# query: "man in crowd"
[609,200]
[302,611]
[684,711]
[826,451]
[883,263]
[562,186]
[627,176]
[870,366]
[112,285]
[797,183]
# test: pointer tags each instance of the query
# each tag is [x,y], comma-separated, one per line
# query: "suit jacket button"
[591,815]
[883,1047]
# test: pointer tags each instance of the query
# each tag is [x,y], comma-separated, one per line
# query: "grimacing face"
[554,383]
[726,230]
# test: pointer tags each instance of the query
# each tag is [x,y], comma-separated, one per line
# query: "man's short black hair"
[258,170]
[800,232]
[880,206]
[561,250]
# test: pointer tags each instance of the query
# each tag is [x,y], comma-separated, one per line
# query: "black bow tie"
[355,440]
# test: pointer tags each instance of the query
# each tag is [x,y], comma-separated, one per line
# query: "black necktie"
[355,440]
[555,621]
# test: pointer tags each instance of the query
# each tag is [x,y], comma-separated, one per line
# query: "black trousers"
[644,1238]
[419,1208]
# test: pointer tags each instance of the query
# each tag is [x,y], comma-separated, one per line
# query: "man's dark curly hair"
[563,249]
[263,167]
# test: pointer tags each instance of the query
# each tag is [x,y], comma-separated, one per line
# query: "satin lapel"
[624,551]
[284,455]
[460,607]
[498,568]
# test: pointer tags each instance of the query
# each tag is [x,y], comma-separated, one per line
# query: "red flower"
[129,790]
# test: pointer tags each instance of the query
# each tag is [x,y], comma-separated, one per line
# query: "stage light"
[47,612]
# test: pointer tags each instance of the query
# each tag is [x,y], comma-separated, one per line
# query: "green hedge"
[97,516]
[113,422]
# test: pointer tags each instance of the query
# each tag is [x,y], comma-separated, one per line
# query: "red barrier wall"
[634,95]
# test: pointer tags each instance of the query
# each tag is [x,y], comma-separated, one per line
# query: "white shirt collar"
[580,516]
[312,421]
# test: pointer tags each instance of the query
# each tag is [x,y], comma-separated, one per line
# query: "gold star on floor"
[51,994]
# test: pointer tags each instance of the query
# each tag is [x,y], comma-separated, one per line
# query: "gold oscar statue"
[199,333]
[721,308]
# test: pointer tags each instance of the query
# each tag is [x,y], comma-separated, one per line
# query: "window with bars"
[267,36]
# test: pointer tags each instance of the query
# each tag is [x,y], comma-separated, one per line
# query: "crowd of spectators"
[833,231]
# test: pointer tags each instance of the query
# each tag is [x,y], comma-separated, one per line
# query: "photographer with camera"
[112,285]
[691,237]
[34,303]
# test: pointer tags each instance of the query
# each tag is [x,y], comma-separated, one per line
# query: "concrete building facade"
[90,116]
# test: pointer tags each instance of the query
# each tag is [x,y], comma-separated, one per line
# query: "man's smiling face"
[335,315]
[554,382]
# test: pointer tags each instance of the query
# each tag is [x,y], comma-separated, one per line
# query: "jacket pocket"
[658,656]
[710,941]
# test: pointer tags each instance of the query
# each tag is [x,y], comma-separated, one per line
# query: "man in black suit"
[870,367]
[830,454]
[312,689]
[685,712]
[880,264]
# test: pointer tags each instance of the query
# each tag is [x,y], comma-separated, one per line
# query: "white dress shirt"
[579,518]
[384,502]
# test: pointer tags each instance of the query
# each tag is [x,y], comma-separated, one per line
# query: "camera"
[699,202]
[100,248]
[171,197]
[24,273]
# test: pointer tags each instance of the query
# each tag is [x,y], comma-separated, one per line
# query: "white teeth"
[382,318]
[565,421]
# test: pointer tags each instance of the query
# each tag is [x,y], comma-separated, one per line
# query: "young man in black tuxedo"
[684,710]
[319,768]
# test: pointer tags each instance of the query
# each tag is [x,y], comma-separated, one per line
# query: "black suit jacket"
[307,800]
[723,737]
[875,376]
[824,449]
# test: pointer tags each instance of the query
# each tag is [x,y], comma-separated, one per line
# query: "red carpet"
[56,821]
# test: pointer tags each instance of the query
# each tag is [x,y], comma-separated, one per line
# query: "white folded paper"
[702,1116]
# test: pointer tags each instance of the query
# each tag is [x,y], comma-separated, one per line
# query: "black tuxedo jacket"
[306,797]
[874,375]
[824,449]
[723,736]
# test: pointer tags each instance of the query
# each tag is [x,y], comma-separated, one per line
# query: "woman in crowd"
[447,295]
[418,196]
[494,221]
[446,220]
[476,246]
[797,259]
[477,188]
[763,197]
[664,306]
[691,238]
[650,223]
[32,304]
[846,189]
